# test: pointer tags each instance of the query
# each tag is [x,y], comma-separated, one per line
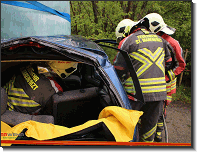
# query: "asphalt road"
[179,122]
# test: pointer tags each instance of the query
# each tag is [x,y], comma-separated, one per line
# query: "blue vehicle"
[94,73]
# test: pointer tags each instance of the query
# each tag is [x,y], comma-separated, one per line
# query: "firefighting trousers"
[160,124]
[149,120]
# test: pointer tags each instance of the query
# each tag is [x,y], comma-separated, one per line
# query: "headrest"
[72,82]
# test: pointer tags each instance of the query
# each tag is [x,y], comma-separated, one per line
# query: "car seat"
[72,108]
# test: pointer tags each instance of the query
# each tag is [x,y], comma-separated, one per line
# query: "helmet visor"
[168,30]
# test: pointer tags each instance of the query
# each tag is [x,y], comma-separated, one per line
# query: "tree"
[98,19]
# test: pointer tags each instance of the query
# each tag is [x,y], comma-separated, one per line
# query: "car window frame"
[139,95]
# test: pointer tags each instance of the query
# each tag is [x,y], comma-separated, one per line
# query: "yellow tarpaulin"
[121,122]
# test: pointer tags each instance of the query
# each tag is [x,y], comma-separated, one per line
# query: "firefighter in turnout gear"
[30,92]
[150,55]
[163,30]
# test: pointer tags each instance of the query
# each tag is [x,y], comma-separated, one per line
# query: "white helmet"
[63,68]
[156,24]
[123,27]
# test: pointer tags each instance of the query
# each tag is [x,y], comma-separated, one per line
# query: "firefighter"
[149,53]
[179,64]
[30,92]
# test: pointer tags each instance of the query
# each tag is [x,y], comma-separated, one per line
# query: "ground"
[179,122]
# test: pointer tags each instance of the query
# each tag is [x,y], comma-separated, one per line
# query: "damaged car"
[93,105]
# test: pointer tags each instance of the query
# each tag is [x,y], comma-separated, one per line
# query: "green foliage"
[183,93]
[98,19]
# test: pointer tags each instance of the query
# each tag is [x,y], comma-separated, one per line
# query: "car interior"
[83,98]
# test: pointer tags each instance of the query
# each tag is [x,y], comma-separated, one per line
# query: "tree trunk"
[75,27]
[128,9]
[95,14]
[105,21]
[143,7]
[134,9]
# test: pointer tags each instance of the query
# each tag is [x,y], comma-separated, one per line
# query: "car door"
[139,94]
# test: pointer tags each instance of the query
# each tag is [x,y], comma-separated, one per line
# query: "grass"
[183,93]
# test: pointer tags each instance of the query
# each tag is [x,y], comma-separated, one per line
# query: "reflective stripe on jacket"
[27,91]
[171,89]
[148,52]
